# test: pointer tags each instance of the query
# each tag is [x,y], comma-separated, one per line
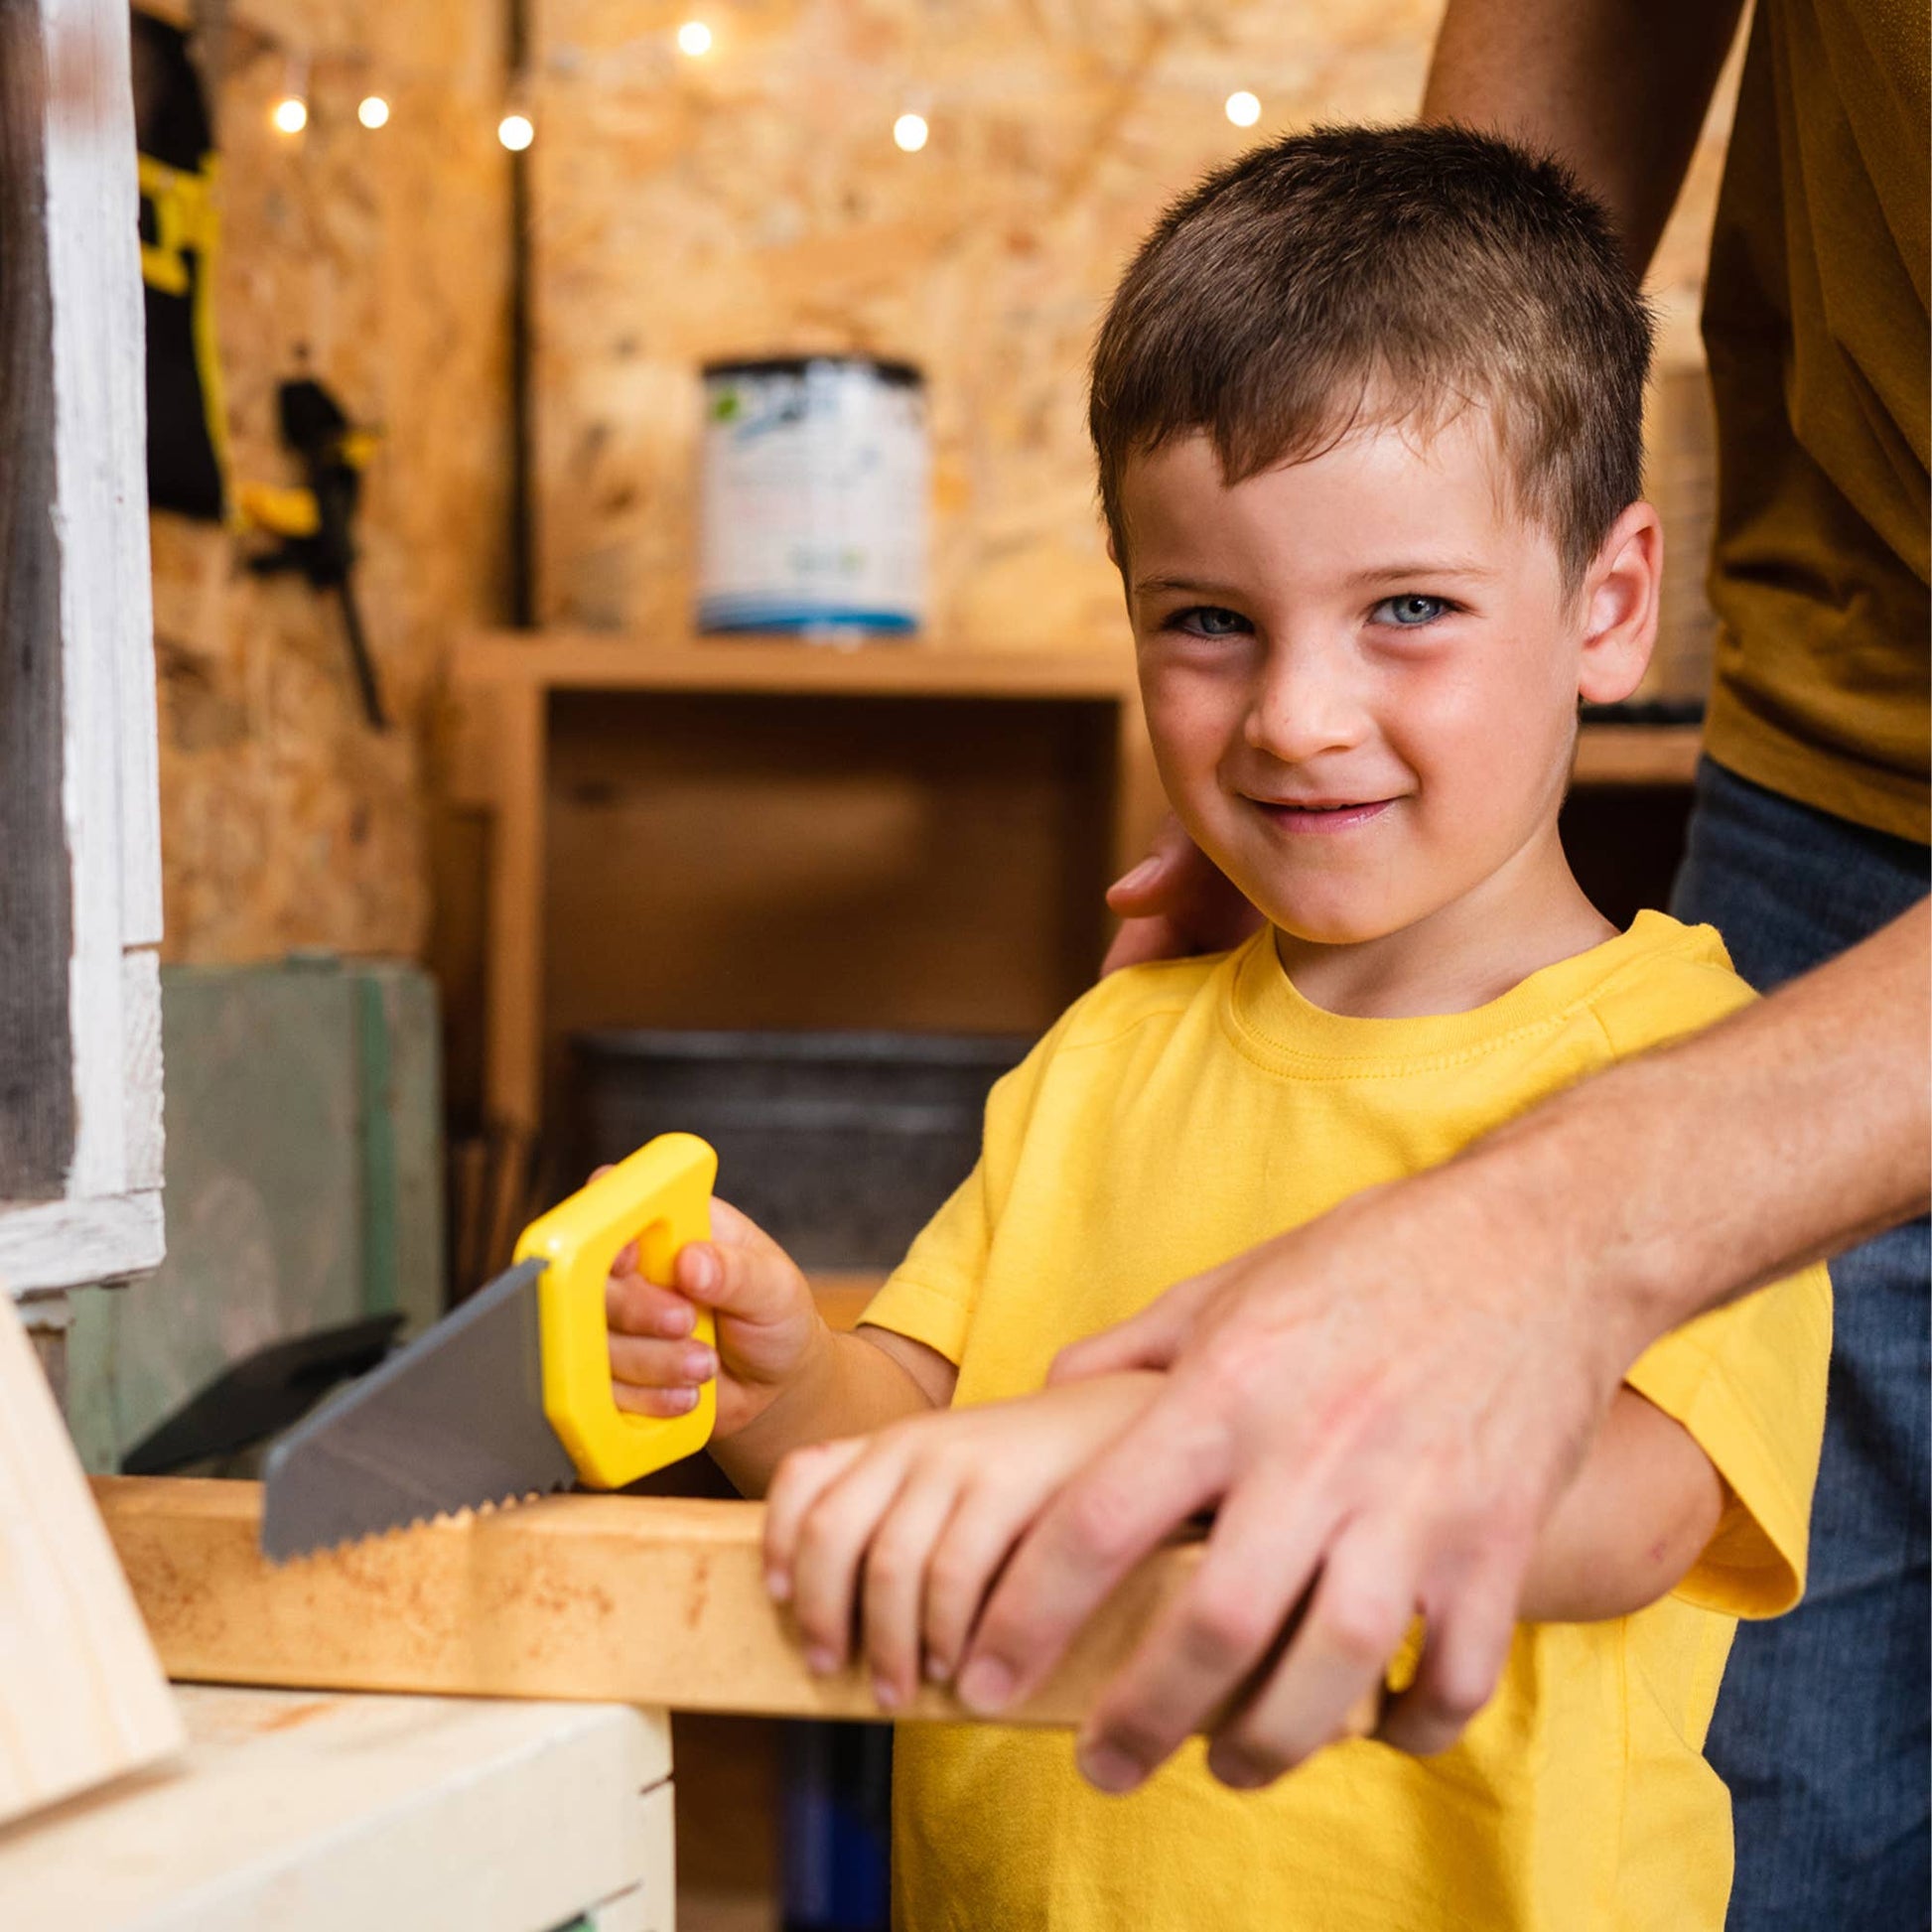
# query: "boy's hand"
[768,1326]
[903,1531]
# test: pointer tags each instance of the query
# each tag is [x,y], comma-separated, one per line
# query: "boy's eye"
[1209,621]
[1410,609]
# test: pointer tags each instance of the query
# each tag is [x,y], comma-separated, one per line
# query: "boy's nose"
[1304,705]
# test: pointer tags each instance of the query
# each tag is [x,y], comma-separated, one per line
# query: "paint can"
[812,499]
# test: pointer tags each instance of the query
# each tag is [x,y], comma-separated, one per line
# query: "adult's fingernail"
[1109,1768]
[821,1660]
[885,1695]
[986,1686]
[938,1669]
[1236,1770]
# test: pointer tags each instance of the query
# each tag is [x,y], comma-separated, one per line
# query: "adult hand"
[1174,902]
[1382,1417]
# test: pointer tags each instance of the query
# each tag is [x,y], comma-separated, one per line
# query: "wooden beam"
[81,1697]
[298,1812]
[565,660]
[635,1599]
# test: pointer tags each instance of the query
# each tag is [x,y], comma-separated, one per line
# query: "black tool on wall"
[179,233]
[322,549]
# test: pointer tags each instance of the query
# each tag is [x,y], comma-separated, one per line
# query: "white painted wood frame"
[83,1204]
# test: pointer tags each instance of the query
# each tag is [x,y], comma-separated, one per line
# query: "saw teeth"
[488,1506]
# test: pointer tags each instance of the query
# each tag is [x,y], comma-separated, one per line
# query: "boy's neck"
[1528,914]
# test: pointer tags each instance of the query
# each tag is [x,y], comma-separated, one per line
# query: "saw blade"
[453,1422]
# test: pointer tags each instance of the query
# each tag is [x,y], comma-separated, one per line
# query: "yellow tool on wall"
[510,1396]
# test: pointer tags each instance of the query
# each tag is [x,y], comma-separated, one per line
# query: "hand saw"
[510,1396]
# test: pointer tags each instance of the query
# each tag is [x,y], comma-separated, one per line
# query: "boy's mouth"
[1329,815]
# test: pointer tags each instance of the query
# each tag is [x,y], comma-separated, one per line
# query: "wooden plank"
[106,610]
[843,1297]
[141,1069]
[559,660]
[514,1053]
[1637,755]
[655,1600]
[1140,803]
[82,1696]
[311,1812]
[81,821]
[73,1243]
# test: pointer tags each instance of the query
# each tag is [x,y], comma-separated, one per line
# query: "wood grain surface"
[639,1599]
[81,1697]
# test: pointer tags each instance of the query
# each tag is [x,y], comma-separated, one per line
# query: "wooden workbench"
[294,1811]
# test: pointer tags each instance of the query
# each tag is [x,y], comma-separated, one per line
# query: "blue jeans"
[1824,1726]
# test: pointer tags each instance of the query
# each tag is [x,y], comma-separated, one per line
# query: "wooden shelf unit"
[761,832]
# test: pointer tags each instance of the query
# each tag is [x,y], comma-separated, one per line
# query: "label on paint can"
[812,504]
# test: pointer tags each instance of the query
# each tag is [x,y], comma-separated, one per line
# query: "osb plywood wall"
[753,201]
[377,262]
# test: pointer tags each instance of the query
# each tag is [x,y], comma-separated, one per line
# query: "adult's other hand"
[1382,1419]
[1177,902]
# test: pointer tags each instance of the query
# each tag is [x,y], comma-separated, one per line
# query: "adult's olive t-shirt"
[1815,322]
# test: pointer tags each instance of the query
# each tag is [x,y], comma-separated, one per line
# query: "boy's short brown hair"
[1356,273]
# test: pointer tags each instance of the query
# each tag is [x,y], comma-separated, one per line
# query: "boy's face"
[1360,673]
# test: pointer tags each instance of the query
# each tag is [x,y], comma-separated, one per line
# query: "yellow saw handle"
[659,1197]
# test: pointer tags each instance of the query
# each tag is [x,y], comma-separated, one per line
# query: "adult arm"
[1617,89]
[1386,1405]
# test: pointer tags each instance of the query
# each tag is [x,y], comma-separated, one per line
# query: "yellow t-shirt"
[1177,1115]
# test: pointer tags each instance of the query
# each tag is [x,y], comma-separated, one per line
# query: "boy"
[1367,410]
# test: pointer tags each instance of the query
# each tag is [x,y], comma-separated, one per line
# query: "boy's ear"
[1619,599]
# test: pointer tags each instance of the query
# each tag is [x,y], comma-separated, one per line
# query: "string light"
[909,133]
[290,113]
[694,37]
[517,132]
[372,111]
[1243,110]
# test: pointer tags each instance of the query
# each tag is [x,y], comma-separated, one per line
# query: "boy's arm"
[849,1385]
[1639,1514]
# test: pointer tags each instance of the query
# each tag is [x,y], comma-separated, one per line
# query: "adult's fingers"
[1212,1638]
[1464,1652]
[1149,1339]
[1145,1484]
[1148,887]
[1335,1658]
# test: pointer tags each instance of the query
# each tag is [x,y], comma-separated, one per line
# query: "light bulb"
[372,111]
[694,37]
[516,132]
[910,132]
[291,114]
[1243,110]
